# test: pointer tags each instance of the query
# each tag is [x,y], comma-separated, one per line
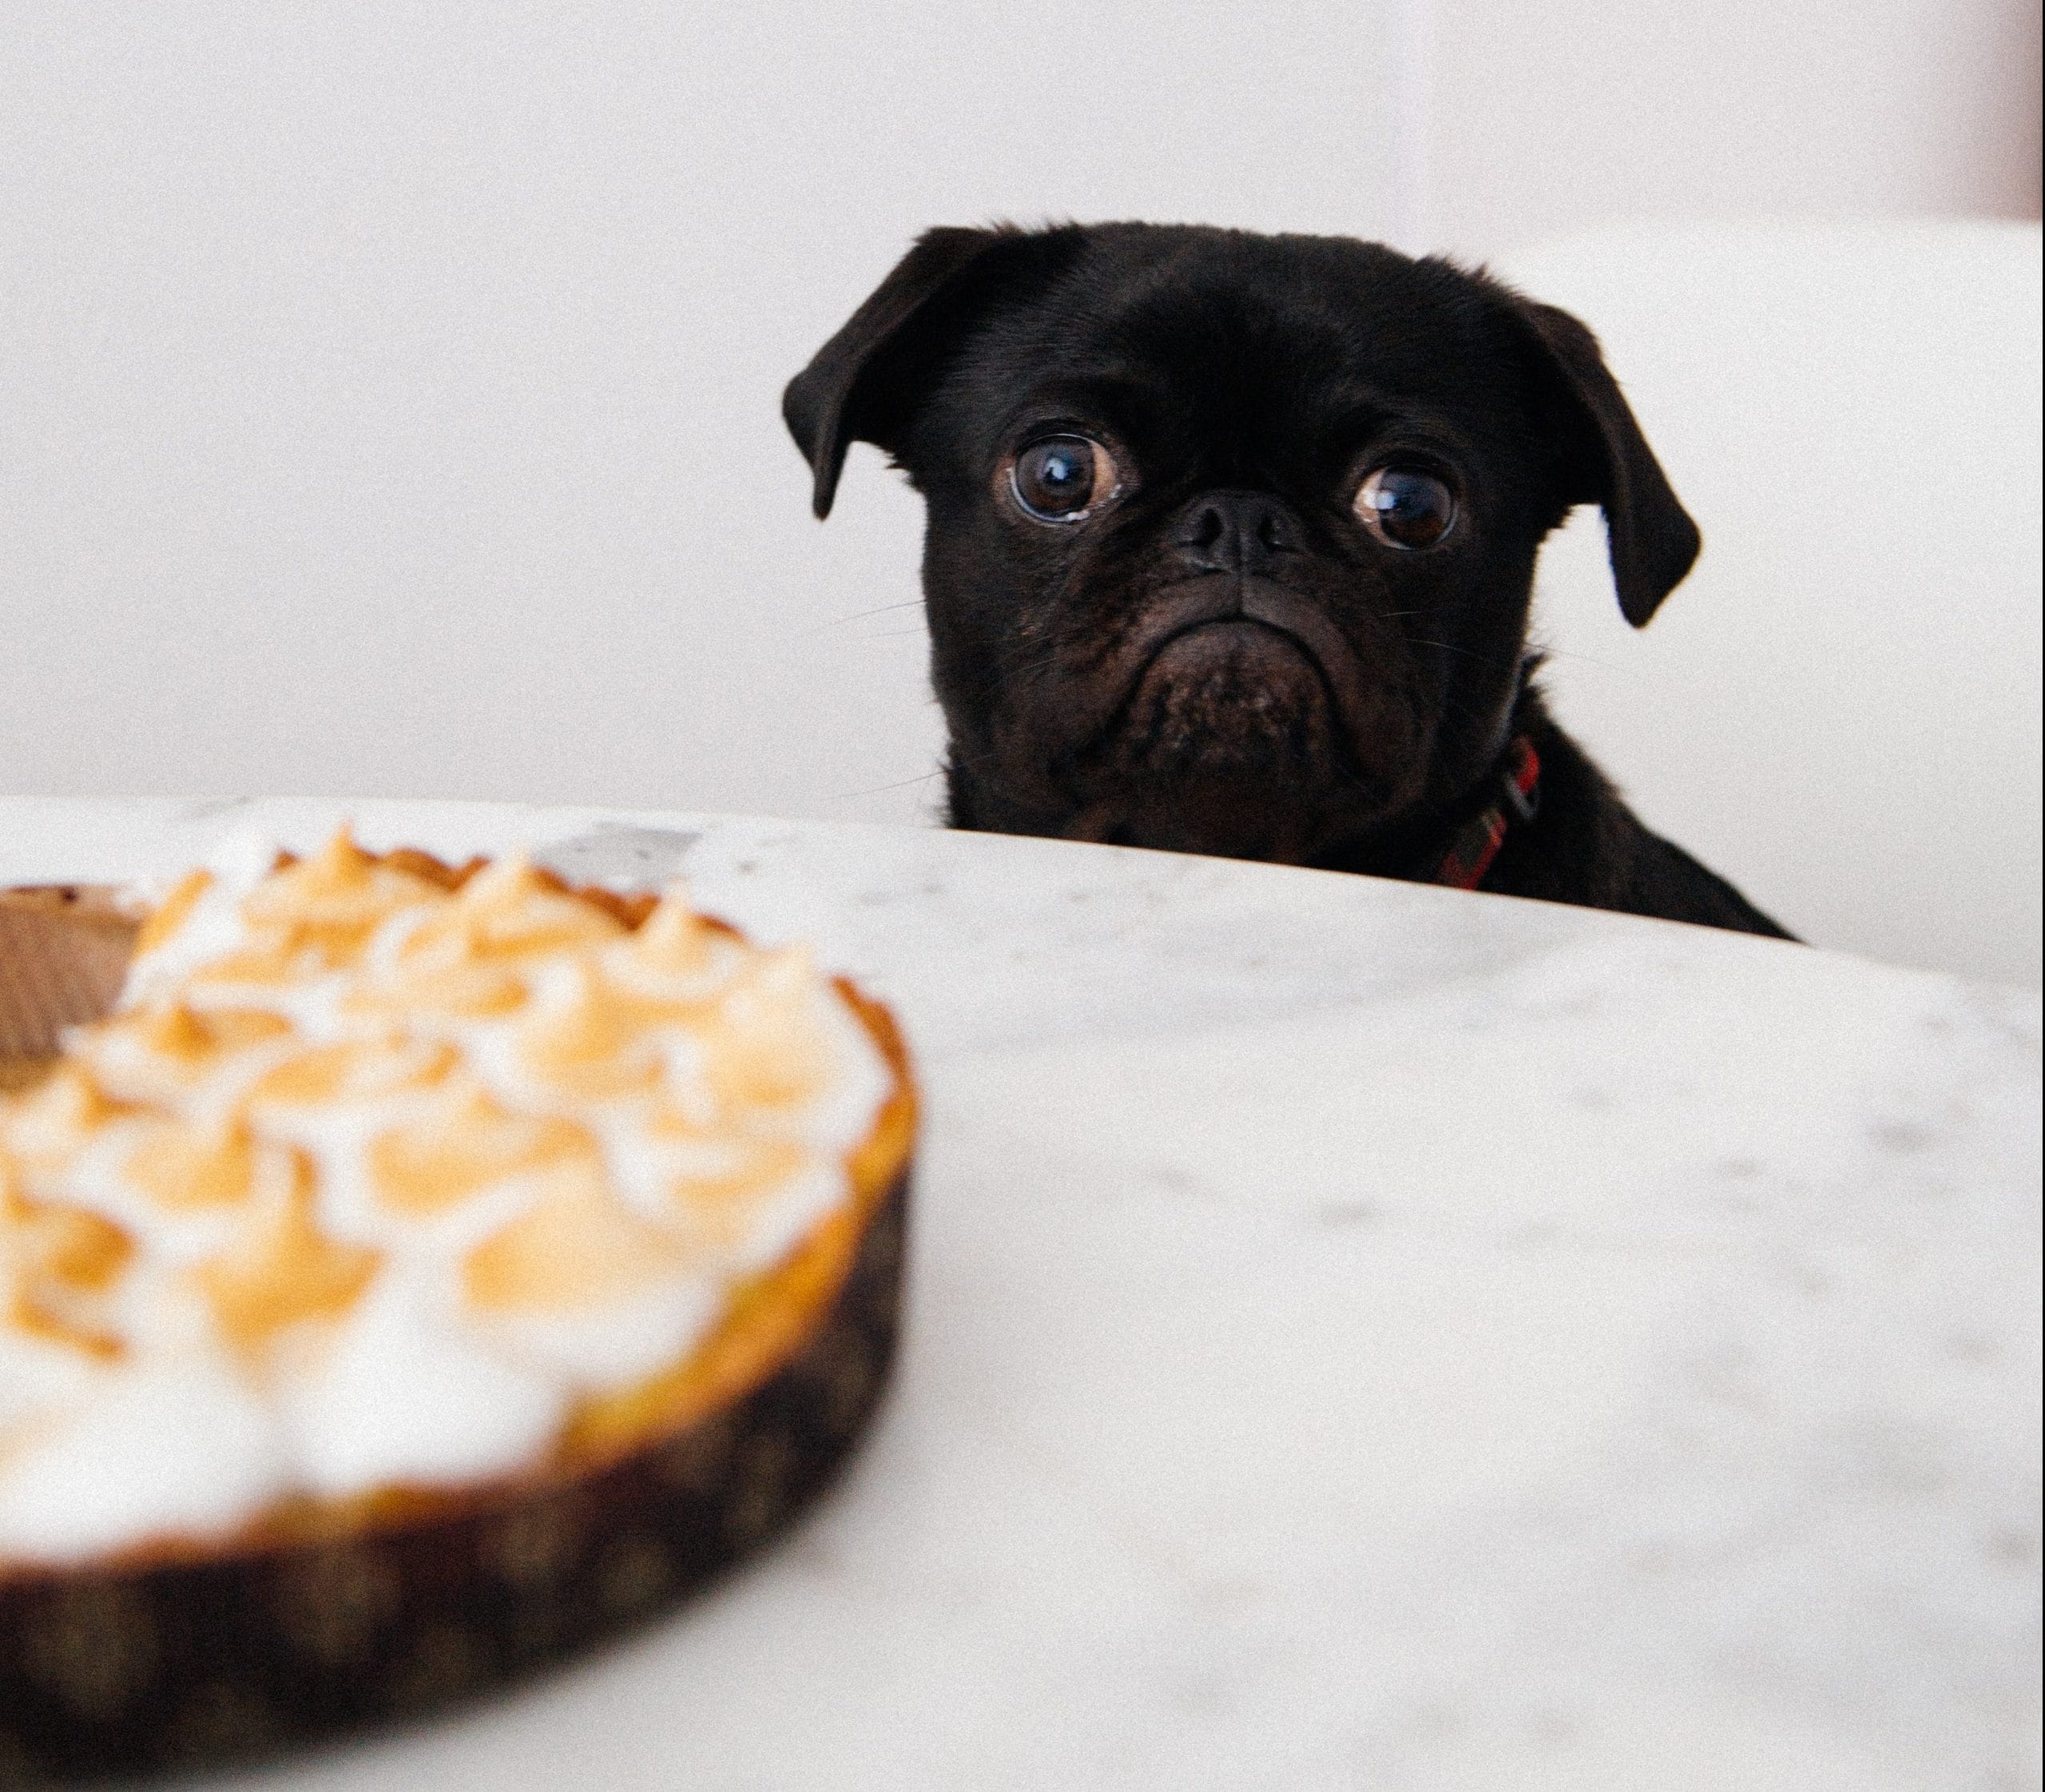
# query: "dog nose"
[1240,532]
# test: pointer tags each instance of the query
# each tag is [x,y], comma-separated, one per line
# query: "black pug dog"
[1231,544]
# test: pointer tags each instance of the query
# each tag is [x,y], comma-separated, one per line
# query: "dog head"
[1231,538]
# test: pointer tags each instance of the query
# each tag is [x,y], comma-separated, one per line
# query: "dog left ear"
[867,381]
[1653,542]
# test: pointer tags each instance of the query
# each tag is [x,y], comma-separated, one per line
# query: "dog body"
[1231,545]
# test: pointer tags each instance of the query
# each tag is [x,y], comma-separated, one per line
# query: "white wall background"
[1551,116]
[391,393]
[388,393]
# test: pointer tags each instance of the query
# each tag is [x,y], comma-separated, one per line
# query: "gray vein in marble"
[626,859]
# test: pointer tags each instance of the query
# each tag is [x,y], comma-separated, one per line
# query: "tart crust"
[325,1614]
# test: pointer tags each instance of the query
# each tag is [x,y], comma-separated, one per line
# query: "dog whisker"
[879,789]
[861,615]
[1467,653]
[1588,659]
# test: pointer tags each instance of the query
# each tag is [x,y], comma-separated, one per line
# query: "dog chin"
[1227,696]
[1221,748]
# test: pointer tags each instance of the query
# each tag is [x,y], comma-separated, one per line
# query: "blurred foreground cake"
[418,1272]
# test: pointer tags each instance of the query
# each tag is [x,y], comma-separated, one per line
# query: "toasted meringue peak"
[184,1168]
[283,1271]
[468,1141]
[577,1246]
[55,1261]
[512,910]
[168,916]
[58,1119]
[598,1042]
[674,940]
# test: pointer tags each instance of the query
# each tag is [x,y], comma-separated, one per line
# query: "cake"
[418,1272]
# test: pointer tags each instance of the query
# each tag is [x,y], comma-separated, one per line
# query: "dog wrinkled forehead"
[1229,337]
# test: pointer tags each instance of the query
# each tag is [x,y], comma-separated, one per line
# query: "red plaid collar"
[1464,866]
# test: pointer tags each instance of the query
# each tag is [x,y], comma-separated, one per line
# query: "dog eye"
[1061,479]
[1404,507]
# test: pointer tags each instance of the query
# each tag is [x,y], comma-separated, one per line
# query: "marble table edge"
[555,824]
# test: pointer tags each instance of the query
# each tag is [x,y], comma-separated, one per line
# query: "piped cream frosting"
[376,1173]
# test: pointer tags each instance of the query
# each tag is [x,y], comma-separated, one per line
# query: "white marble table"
[1360,1336]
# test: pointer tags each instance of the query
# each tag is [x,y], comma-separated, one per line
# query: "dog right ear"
[866,382]
[1651,540]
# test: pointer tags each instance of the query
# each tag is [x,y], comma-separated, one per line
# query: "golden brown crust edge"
[314,1625]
